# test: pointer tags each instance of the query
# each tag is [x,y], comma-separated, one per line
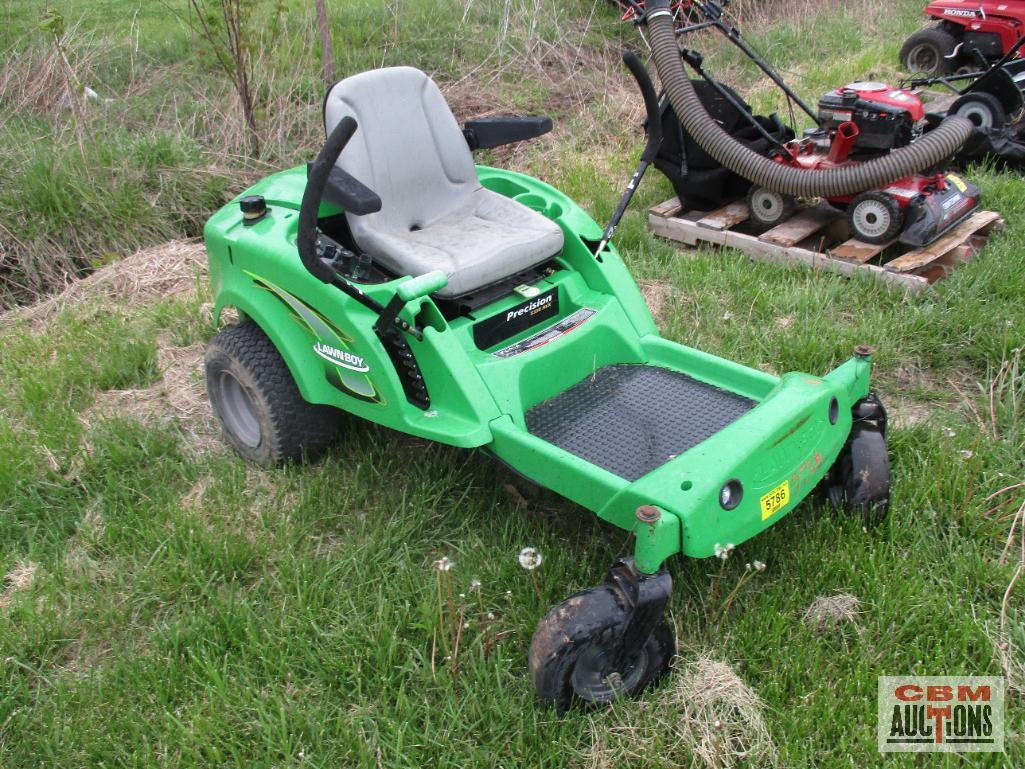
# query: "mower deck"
[631,419]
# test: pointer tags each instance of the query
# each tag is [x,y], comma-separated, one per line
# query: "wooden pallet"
[819,238]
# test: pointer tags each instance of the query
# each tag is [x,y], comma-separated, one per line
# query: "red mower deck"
[819,238]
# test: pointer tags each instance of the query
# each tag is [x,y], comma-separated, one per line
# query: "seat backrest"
[408,147]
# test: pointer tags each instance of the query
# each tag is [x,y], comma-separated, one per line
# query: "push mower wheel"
[257,402]
[769,208]
[574,653]
[983,109]
[875,217]
[925,53]
[861,476]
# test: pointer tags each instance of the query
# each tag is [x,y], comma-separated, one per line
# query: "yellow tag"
[775,500]
[958,182]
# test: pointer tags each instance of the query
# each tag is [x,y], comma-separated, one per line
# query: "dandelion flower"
[529,558]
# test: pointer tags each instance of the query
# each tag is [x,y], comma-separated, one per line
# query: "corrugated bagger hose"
[941,143]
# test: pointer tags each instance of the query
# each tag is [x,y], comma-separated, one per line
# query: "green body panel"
[479,399]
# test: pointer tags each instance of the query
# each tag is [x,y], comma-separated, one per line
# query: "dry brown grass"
[17,579]
[705,716]
[138,280]
[657,293]
[177,400]
[830,612]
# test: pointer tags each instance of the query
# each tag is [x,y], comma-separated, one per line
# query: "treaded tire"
[582,628]
[861,476]
[251,388]
[984,109]
[875,217]
[925,52]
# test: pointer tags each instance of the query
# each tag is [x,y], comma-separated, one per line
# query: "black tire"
[875,217]
[925,53]
[769,208]
[570,649]
[257,402]
[861,476]
[983,109]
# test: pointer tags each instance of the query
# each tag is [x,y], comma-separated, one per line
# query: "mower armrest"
[487,132]
[350,194]
[422,285]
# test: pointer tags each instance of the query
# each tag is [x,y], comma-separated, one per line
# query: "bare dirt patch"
[706,716]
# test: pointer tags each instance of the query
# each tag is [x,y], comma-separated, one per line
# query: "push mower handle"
[643,78]
[316,181]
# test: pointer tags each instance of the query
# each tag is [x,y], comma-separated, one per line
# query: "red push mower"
[990,27]
[869,153]
[859,122]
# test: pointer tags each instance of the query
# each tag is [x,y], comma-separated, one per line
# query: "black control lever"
[654,125]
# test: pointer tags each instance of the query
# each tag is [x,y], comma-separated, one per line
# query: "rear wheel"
[257,402]
[769,208]
[983,109]
[875,217]
[926,53]
[578,655]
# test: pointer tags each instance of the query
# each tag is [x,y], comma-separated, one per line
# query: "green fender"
[273,317]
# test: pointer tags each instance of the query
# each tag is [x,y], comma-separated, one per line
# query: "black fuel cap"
[253,207]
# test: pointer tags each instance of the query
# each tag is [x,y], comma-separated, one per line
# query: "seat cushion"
[482,242]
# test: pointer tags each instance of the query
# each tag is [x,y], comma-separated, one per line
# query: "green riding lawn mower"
[394,280]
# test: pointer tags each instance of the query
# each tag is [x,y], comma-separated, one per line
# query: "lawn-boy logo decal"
[348,371]
[340,357]
[941,714]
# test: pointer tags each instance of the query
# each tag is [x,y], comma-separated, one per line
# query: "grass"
[166,605]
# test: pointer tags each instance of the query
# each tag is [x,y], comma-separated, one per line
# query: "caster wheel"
[577,652]
[983,109]
[257,402]
[925,53]
[875,217]
[859,482]
[769,208]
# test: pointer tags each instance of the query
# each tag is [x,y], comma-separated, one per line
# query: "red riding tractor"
[987,26]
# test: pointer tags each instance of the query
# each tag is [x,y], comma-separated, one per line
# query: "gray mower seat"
[435,215]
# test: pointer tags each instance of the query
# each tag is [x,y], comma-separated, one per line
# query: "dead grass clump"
[179,398]
[828,612]
[135,281]
[17,579]
[656,294]
[705,717]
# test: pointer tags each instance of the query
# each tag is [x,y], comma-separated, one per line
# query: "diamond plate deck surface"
[630,419]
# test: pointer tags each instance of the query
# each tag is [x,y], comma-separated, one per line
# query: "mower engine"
[856,123]
[887,118]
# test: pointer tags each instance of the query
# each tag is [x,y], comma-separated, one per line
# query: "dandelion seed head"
[759,566]
[529,558]
[443,564]
[474,585]
[967,453]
